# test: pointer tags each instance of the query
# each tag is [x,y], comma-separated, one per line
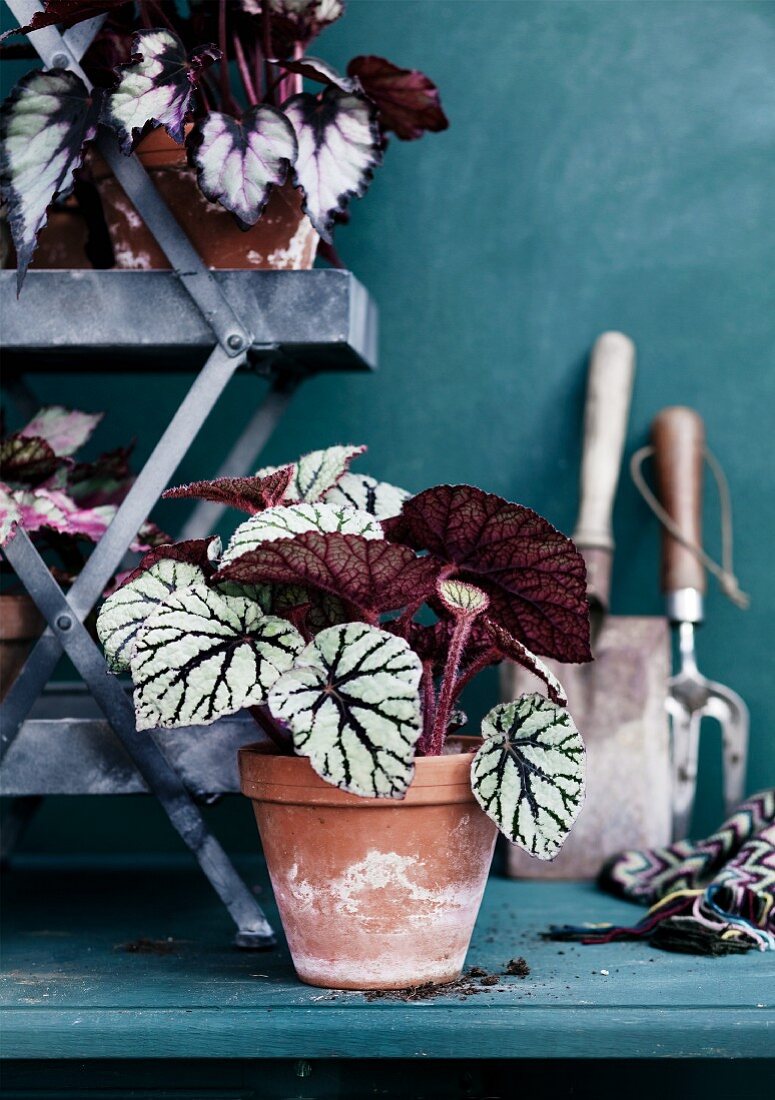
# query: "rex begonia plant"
[155,63]
[348,616]
[59,501]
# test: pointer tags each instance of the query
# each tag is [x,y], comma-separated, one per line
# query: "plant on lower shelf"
[154,63]
[60,502]
[348,616]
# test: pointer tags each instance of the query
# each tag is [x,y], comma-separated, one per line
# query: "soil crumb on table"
[145,946]
[476,980]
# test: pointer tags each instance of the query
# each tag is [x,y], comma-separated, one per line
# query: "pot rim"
[272,777]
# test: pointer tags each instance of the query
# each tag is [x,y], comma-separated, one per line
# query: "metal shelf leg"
[253,929]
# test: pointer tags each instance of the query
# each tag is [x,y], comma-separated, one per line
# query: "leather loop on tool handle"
[678,436]
[606,413]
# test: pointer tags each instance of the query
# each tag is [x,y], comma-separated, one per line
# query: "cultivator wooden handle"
[678,436]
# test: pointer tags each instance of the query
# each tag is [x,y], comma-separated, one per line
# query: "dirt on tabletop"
[476,980]
[145,946]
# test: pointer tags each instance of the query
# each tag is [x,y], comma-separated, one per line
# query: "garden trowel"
[618,700]
[678,437]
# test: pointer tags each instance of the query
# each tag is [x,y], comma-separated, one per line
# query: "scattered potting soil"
[145,946]
[476,981]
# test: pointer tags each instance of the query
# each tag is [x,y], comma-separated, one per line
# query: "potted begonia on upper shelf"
[64,505]
[255,169]
[347,617]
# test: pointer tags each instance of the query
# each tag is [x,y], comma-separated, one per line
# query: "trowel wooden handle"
[678,436]
[609,389]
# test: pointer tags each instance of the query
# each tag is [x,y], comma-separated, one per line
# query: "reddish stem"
[457,644]
[473,670]
[264,719]
[266,46]
[428,708]
[244,71]
[223,67]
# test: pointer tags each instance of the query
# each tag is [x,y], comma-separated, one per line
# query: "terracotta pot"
[61,242]
[282,240]
[21,624]
[373,893]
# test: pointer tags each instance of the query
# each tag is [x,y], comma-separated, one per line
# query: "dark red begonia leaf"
[65,13]
[27,460]
[314,68]
[533,574]
[407,100]
[369,574]
[193,551]
[248,494]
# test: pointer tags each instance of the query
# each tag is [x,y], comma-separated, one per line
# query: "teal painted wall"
[608,165]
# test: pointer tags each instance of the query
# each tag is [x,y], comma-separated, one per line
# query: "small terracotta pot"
[282,240]
[373,893]
[21,624]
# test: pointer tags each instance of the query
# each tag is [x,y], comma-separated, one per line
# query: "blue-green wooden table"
[73,993]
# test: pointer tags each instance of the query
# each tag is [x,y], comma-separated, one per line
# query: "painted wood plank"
[70,989]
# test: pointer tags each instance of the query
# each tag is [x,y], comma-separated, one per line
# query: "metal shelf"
[42,759]
[110,321]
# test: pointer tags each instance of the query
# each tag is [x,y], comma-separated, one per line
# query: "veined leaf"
[461,598]
[407,100]
[249,494]
[285,521]
[238,160]
[316,473]
[156,87]
[53,509]
[123,614]
[66,13]
[25,461]
[353,706]
[65,430]
[314,68]
[367,494]
[339,148]
[534,576]
[204,553]
[512,650]
[10,516]
[202,655]
[528,776]
[45,124]
[369,575]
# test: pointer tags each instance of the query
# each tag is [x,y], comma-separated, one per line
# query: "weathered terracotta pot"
[282,240]
[61,242]
[373,893]
[21,624]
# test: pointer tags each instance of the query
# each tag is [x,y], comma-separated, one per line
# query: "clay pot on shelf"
[21,624]
[282,240]
[61,243]
[373,893]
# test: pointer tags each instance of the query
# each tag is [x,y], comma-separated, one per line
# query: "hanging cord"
[723,573]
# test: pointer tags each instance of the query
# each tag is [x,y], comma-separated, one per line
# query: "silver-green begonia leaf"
[202,655]
[124,613]
[285,521]
[353,706]
[369,495]
[316,473]
[528,776]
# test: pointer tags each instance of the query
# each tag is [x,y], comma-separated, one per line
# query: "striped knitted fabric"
[648,876]
[714,897]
